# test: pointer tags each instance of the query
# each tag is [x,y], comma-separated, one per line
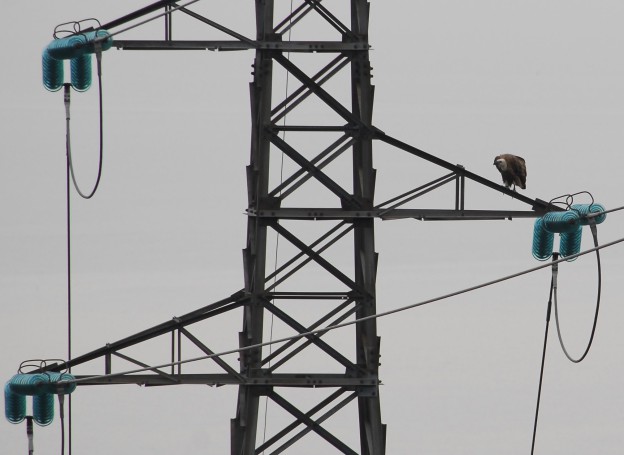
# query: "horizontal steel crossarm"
[236,300]
[314,128]
[417,194]
[312,46]
[329,213]
[216,25]
[411,192]
[173,4]
[182,45]
[536,204]
[458,215]
[459,170]
[292,426]
[313,425]
[304,380]
[314,338]
[136,14]
[303,295]
[235,45]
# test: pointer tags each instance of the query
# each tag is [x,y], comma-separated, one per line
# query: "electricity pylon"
[347,131]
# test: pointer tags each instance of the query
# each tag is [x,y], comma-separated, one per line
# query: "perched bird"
[512,169]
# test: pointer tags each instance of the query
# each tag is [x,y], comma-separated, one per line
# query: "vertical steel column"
[244,425]
[372,431]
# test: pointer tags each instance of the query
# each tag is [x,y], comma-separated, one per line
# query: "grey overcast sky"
[163,236]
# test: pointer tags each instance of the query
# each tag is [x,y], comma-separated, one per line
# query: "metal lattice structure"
[350,378]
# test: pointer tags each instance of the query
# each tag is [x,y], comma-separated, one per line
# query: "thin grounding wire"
[76,27]
[37,364]
[301,11]
[277,239]
[569,199]
[590,215]
[355,321]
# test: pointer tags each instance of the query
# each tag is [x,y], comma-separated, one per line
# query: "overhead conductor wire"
[592,225]
[70,164]
[555,270]
[71,178]
[355,321]
[69,270]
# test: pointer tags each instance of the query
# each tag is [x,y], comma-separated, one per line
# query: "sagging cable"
[594,231]
[67,101]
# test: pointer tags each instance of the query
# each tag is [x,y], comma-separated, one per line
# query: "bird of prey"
[512,169]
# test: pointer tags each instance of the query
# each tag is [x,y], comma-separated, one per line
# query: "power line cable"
[355,321]
[555,269]
[66,97]
[71,176]
[61,400]
[593,228]
[553,293]
[69,275]
[604,212]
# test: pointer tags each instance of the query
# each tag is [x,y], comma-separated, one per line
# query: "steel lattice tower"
[265,213]
[353,377]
